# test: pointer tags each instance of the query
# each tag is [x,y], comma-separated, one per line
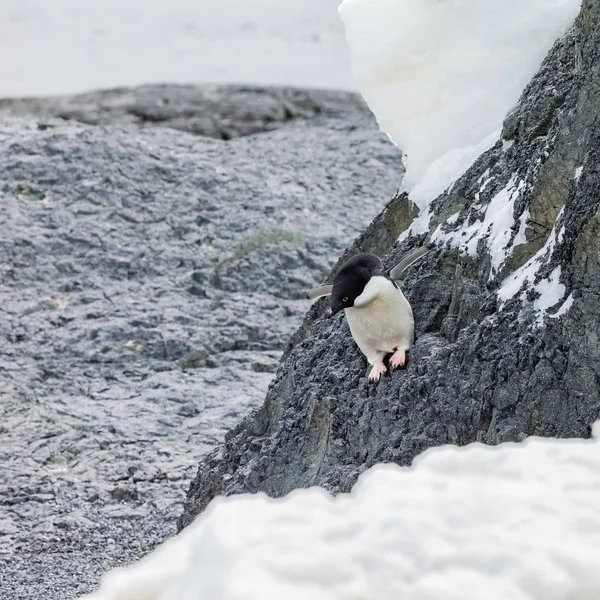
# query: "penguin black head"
[351,280]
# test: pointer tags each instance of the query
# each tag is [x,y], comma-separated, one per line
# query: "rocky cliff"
[506,311]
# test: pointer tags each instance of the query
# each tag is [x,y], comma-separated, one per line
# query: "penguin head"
[352,279]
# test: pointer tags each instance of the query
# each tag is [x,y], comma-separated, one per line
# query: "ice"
[441,75]
[519,521]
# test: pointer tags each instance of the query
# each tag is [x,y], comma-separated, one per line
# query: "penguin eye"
[345,299]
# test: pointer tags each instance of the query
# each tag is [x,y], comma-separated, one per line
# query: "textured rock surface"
[479,370]
[219,111]
[149,281]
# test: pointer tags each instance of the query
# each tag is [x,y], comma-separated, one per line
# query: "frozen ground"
[68,46]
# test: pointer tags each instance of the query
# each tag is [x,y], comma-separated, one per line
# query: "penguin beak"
[332,312]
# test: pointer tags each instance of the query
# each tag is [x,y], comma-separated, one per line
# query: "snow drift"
[519,521]
[440,75]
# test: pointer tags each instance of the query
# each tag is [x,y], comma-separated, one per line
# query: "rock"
[218,111]
[142,314]
[481,369]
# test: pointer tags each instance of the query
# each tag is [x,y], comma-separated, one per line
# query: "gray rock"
[219,111]
[142,314]
[478,371]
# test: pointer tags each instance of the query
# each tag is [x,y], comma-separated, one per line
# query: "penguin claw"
[376,372]
[398,359]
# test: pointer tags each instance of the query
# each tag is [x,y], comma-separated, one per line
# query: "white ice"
[440,75]
[518,521]
[64,46]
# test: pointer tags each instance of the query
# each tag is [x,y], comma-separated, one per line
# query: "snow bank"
[440,75]
[518,521]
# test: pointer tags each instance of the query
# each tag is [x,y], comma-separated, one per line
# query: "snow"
[418,226]
[65,46]
[551,291]
[578,172]
[566,305]
[441,75]
[444,171]
[519,521]
[516,281]
[496,227]
[520,238]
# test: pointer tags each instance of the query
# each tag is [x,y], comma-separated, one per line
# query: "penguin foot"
[398,359]
[376,372]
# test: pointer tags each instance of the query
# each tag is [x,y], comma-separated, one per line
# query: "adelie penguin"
[380,317]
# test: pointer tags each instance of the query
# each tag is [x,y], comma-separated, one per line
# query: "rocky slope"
[505,348]
[149,281]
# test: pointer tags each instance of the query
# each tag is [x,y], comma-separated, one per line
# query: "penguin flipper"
[319,292]
[406,261]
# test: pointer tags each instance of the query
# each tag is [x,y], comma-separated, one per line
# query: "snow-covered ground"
[64,46]
[518,521]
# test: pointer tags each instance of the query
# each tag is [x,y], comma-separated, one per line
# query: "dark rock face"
[149,281]
[481,370]
[219,111]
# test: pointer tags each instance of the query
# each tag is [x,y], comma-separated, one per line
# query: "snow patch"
[550,289]
[419,226]
[497,225]
[514,282]
[566,305]
[520,238]
[452,218]
[496,228]
[551,293]
[519,521]
[578,172]
[441,75]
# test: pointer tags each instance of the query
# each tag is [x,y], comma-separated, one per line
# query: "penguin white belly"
[385,323]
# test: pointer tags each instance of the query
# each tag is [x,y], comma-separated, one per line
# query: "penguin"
[380,317]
